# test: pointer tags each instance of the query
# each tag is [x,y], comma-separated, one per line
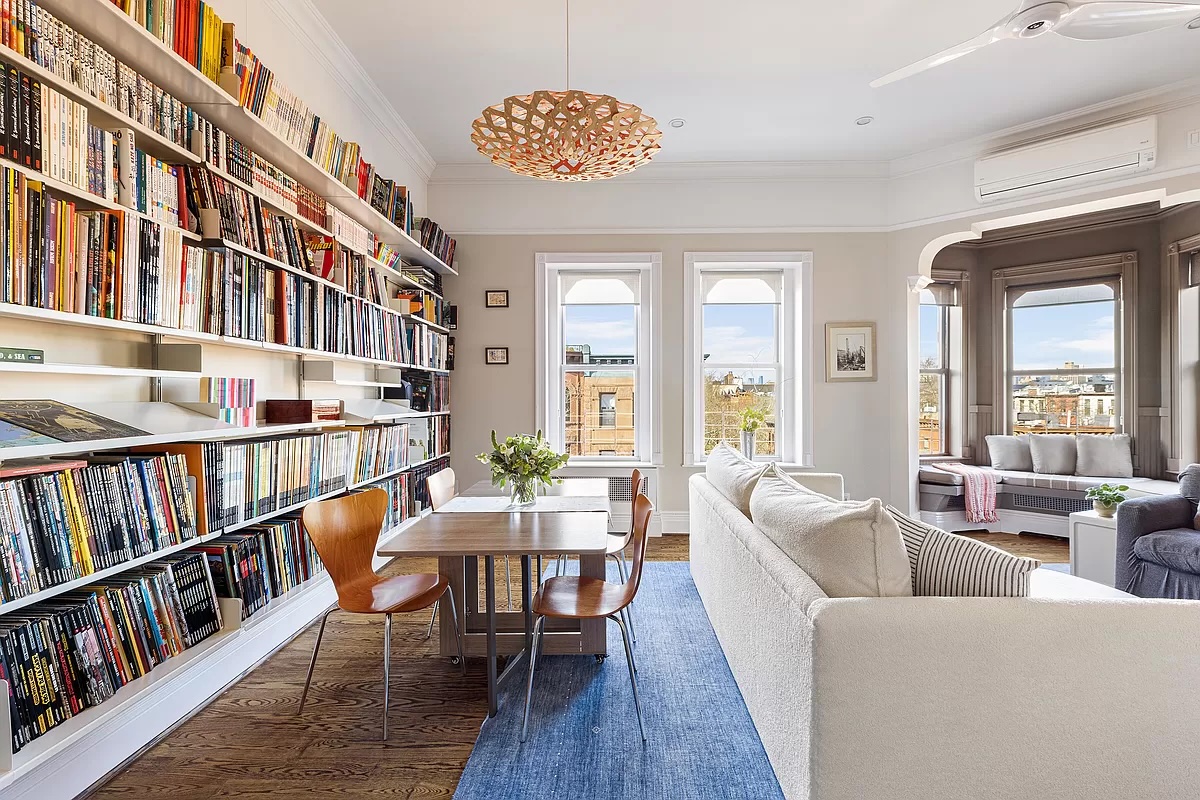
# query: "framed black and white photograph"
[850,351]
[496,355]
[496,298]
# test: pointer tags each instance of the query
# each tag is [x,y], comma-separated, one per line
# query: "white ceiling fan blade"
[950,54]
[1112,20]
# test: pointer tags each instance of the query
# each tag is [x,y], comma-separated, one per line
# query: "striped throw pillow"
[945,565]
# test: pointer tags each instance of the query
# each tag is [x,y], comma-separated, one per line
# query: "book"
[62,422]
[293,411]
[15,436]
[22,355]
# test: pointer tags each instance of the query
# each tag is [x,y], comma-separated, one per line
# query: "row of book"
[427,347]
[397,488]
[151,260]
[74,652]
[350,232]
[234,397]
[189,27]
[430,391]
[417,488]
[424,304]
[435,240]
[428,437]
[68,148]
[147,184]
[74,518]
[377,450]
[392,201]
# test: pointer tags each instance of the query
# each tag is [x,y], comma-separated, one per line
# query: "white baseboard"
[1009,522]
[674,521]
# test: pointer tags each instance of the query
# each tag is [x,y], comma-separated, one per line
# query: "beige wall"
[850,282]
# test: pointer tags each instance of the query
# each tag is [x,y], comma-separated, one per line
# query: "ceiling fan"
[1074,19]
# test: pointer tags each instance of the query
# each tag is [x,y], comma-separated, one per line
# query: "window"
[1064,362]
[595,361]
[750,347]
[940,325]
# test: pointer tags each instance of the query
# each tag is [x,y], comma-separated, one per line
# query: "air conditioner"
[1101,154]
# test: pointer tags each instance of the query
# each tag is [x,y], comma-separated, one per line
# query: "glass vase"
[523,491]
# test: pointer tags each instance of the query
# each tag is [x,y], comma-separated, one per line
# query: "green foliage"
[1107,493]
[752,418]
[522,459]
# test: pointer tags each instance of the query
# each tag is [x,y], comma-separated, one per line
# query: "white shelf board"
[365,411]
[426,323]
[100,370]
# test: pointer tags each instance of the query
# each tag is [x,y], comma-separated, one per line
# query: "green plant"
[1107,494]
[751,418]
[522,459]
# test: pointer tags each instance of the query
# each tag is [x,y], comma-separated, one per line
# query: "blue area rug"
[1066,568]
[583,733]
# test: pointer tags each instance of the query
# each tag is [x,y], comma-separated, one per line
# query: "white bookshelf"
[94,370]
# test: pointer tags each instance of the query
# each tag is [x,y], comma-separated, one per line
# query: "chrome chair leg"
[628,618]
[623,572]
[462,661]
[432,619]
[508,583]
[313,662]
[533,654]
[387,668]
[637,703]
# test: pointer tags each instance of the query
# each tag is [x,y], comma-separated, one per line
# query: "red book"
[36,466]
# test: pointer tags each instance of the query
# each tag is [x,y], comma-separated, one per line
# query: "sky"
[1047,336]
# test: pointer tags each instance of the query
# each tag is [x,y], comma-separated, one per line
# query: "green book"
[21,355]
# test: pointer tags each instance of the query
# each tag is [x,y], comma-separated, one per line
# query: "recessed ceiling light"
[677,123]
[1194,24]
[864,120]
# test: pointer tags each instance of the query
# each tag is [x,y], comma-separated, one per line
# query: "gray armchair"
[1158,547]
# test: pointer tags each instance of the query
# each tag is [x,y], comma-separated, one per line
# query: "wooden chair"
[572,597]
[618,542]
[345,532]
[441,487]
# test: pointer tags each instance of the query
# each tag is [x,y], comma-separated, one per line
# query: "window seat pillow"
[1010,452]
[1053,453]
[1104,455]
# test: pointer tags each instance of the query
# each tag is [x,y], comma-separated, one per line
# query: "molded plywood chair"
[617,542]
[441,491]
[345,532]
[591,598]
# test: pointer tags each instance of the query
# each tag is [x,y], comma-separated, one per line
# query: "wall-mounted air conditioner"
[1101,154]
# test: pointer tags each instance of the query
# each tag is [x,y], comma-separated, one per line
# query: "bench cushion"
[1177,549]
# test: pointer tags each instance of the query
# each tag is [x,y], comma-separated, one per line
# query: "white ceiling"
[756,80]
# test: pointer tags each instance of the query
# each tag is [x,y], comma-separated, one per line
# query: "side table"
[1094,547]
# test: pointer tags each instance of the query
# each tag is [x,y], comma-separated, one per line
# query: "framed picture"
[496,355]
[850,351]
[496,298]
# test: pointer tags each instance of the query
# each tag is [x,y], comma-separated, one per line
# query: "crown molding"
[339,61]
[484,172]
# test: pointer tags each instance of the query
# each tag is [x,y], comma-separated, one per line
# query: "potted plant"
[1105,498]
[522,462]
[750,419]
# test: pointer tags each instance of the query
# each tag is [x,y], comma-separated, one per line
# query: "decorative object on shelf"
[496,298]
[496,355]
[22,355]
[63,422]
[750,419]
[566,136]
[524,462]
[850,351]
[1106,497]
[284,412]
[452,317]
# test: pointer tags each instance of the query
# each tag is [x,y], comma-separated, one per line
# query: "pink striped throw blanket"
[979,486]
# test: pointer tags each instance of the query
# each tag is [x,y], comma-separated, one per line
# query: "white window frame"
[549,348]
[794,382]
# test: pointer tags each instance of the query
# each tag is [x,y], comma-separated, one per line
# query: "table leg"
[489,589]
[527,601]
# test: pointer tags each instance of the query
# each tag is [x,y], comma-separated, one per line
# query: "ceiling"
[756,80]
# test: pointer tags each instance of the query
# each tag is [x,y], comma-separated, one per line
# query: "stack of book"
[423,304]
[377,450]
[234,398]
[74,652]
[427,347]
[68,519]
[392,201]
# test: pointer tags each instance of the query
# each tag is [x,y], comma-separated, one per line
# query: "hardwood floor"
[250,743]
[1047,549]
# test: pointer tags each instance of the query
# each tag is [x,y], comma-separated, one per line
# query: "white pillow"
[849,548]
[1102,455]
[1053,453]
[945,565]
[732,475]
[1010,452]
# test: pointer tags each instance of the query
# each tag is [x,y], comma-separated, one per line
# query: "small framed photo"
[496,355]
[850,351]
[496,298]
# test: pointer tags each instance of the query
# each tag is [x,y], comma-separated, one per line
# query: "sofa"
[1076,692]
[1158,546]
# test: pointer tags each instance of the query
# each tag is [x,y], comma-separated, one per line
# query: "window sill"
[784,465]
[943,460]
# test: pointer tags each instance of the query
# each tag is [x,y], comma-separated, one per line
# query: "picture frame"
[495,298]
[850,352]
[495,356]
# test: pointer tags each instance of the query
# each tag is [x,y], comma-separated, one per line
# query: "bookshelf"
[78,751]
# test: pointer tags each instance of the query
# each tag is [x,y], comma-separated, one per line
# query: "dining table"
[482,522]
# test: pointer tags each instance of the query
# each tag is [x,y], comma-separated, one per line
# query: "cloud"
[732,343]
[603,336]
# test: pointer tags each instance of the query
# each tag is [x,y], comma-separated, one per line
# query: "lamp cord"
[568,20]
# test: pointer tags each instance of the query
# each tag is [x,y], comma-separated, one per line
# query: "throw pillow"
[849,548]
[1010,452]
[1053,453]
[1104,455]
[733,475]
[945,565]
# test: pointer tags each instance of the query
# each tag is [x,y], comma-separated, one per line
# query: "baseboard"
[674,521]
[1009,522]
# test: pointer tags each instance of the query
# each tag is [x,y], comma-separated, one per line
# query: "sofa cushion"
[1010,452]
[1104,455]
[1053,453]
[1178,549]
[733,475]
[849,548]
[945,565]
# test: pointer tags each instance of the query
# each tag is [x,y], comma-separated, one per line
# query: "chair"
[441,491]
[1158,546]
[572,597]
[345,531]
[618,542]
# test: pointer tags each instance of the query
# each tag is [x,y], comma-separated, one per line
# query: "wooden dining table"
[481,523]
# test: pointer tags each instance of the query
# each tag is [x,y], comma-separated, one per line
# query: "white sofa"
[1079,692]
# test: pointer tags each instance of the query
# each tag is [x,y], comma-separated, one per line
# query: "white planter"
[748,442]
[1103,509]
